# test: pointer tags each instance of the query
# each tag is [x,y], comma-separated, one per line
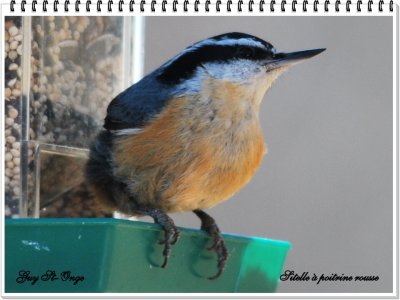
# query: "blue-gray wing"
[138,104]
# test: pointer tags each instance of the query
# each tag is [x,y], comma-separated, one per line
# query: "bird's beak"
[289,59]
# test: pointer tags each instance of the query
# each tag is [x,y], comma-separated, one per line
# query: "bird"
[187,136]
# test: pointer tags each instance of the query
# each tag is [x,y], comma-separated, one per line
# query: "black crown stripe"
[183,66]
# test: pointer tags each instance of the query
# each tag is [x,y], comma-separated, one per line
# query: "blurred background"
[326,183]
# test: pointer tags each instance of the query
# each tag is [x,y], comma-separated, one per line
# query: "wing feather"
[138,104]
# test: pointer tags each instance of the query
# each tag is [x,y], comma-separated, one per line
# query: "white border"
[2,140]
[395,150]
[202,10]
[5,10]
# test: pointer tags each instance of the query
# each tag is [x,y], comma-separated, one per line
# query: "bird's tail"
[66,183]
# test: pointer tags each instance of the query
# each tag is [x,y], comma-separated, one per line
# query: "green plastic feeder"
[110,255]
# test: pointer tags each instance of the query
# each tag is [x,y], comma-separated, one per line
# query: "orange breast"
[195,154]
[218,172]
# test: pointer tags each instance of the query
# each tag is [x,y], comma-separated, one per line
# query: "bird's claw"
[220,249]
[216,243]
[171,232]
[171,238]
[172,235]
[208,225]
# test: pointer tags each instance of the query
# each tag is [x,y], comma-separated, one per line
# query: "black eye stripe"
[254,53]
[184,66]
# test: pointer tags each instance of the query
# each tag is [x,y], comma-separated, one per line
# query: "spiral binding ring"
[251,3]
[262,3]
[370,2]
[271,6]
[337,3]
[240,3]
[207,5]
[380,5]
[316,2]
[305,3]
[218,5]
[348,2]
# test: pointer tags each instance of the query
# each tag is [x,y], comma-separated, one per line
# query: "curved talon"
[171,237]
[166,254]
[222,254]
[216,275]
[208,224]
[177,235]
[214,245]
[161,242]
[165,262]
[171,233]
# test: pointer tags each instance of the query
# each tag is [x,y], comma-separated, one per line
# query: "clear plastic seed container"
[60,75]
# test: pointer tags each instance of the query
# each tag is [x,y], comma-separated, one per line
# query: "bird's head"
[238,58]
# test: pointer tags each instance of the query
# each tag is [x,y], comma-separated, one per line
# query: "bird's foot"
[208,224]
[171,237]
[222,253]
[171,232]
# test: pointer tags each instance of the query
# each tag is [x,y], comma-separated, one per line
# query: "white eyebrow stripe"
[222,42]
[230,42]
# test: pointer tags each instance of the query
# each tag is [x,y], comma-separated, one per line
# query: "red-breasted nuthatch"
[187,136]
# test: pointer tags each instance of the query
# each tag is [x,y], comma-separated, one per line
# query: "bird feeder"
[109,255]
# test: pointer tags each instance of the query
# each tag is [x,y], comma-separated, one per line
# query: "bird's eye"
[246,52]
